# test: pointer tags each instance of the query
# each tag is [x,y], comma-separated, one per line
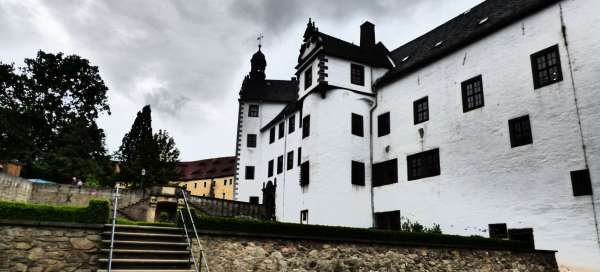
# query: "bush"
[97,212]
[343,233]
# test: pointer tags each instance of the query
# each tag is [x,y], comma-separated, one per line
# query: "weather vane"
[260,37]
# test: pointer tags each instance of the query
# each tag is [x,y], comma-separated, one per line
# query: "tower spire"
[260,38]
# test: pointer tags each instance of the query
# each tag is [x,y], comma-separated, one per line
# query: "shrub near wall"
[357,234]
[97,212]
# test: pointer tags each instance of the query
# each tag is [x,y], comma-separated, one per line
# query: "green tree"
[48,112]
[156,154]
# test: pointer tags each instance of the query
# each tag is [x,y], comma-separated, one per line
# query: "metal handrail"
[187,237]
[202,256]
[112,233]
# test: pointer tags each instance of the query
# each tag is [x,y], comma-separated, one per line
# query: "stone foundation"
[239,253]
[25,247]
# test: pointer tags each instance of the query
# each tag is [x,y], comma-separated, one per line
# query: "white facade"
[482,180]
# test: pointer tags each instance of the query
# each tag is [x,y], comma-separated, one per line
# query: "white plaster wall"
[252,156]
[483,180]
[330,197]
[338,74]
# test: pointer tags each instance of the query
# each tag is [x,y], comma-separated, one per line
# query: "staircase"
[146,248]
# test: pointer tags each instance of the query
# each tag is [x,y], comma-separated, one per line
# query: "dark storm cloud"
[188,58]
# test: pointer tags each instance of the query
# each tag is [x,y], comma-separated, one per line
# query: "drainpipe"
[577,111]
[373,106]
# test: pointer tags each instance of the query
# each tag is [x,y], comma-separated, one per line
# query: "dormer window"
[308,77]
[357,74]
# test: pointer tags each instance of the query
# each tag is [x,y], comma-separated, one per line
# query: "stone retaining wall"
[71,247]
[14,188]
[245,253]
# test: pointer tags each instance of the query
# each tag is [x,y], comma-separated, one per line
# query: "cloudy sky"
[187,58]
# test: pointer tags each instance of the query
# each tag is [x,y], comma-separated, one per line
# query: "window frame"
[472,82]
[308,77]
[429,170]
[251,138]
[383,129]
[271,135]
[281,130]
[581,182]
[357,173]
[357,125]
[253,110]
[290,160]
[421,115]
[304,216]
[292,124]
[279,164]
[306,126]
[246,172]
[357,74]
[304,174]
[535,69]
[392,220]
[520,140]
[270,167]
[384,173]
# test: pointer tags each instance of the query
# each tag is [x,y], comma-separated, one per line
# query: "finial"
[260,37]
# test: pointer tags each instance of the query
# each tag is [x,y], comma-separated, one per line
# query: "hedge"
[97,212]
[230,224]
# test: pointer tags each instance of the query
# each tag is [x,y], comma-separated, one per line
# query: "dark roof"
[287,110]
[467,28]
[205,169]
[333,46]
[269,90]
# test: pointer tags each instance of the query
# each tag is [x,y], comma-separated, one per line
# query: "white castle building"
[490,121]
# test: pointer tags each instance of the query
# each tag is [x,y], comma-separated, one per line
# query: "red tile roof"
[206,169]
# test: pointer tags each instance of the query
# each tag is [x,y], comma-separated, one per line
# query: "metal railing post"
[202,257]
[187,237]
[112,233]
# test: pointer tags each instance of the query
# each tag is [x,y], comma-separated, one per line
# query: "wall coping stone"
[32,223]
[361,241]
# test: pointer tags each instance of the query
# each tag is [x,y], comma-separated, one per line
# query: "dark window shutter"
[304,173]
[423,165]
[581,182]
[498,231]
[280,164]
[299,155]
[272,135]
[249,172]
[421,110]
[251,140]
[290,160]
[307,77]
[270,168]
[281,129]
[291,124]
[383,124]
[387,220]
[358,173]
[306,126]
[472,94]
[385,173]
[357,125]
[520,131]
[357,74]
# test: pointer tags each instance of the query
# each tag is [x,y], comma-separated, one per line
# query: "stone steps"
[146,248]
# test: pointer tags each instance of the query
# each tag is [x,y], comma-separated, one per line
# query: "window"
[205,184]
[306,126]
[546,67]
[472,93]
[358,173]
[270,168]
[291,124]
[223,195]
[280,164]
[304,217]
[357,74]
[224,182]
[299,155]
[357,125]
[387,220]
[520,131]
[383,124]
[424,164]
[307,77]
[251,140]
[581,182]
[254,200]
[304,174]
[271,135]
[253,111]
[249,173]
[281,129]
[290,160]
[385,173]
[195,185]
[421,110]
[498,231]
[523,235]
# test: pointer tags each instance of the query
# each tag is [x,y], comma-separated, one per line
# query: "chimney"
[367,35]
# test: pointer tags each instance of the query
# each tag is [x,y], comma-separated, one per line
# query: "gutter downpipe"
[373,106]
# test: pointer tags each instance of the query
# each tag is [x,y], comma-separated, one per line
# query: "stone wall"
[27,247]
[14,188]
[233,253]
